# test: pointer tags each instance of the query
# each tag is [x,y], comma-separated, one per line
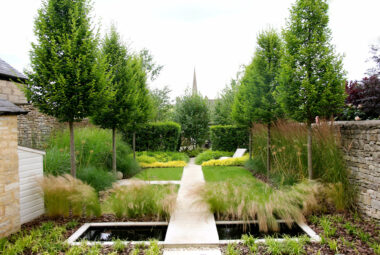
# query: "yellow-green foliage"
[226,162]
[65,193]
[179,163]
[146,159]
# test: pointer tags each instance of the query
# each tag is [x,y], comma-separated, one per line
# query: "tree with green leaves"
[143,111]
[116,112]
[192,113]
[256,95]
[67,74]
[312,77]
[222,111]
[162,108]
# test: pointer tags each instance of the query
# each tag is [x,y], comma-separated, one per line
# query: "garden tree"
[152,68]
[117,110]
[162,108]
[192,113]
[256,95]
[222,114]
[67,75]
[312,77]
[143,110]
[375,50]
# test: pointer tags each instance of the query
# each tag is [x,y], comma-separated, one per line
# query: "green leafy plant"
[328,229]
[153,249]
[250,242]
[98,178]
[118,245]
[232,249]
[333,245]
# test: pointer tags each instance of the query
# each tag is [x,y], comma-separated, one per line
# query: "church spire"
[195,89]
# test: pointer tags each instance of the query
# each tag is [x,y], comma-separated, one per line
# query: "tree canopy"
[67,75]
[191,112]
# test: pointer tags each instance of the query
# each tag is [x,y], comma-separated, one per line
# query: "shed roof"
[7,108]
[7,71]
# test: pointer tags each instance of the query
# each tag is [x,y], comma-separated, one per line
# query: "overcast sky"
[216,37]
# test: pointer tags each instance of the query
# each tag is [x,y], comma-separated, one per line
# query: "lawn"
[160,174]
[223,173]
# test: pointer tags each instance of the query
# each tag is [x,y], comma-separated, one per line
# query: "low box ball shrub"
[98,178]
[161,156]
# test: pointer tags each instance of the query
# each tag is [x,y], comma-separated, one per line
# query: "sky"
[215,37]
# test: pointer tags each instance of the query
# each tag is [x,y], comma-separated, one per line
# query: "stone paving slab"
[191,222]
[125,182]
[193,251]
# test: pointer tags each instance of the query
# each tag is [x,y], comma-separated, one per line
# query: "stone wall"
[34,128]
[361,143]
[9,178]
[12,92]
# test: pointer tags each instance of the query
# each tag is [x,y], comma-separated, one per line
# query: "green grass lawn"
[160,174]
[223,173]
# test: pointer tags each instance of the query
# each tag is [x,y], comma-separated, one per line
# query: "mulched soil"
[348,243]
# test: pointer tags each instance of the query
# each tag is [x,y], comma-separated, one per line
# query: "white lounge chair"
[238,153]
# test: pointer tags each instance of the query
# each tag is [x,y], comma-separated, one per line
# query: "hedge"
[228,137]
[157,136]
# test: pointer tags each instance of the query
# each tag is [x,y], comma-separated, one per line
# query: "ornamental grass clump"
[65,195]
[142,200]
[255,200]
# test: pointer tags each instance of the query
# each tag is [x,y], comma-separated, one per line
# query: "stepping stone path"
[191,224]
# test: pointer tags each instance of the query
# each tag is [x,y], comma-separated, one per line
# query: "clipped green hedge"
[228,137]
[157,136]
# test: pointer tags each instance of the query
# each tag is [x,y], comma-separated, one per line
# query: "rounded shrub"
[98,178]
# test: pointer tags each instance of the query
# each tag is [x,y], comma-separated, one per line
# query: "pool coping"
[314,238]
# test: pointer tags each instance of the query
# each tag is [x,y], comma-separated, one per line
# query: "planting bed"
[340,233]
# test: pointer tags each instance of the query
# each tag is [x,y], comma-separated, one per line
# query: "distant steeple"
[195,89]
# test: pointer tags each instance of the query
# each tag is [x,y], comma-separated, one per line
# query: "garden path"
[192,223]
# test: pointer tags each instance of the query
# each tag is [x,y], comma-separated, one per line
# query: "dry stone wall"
[9,177]
[361,143]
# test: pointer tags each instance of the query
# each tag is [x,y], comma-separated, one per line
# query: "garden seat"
[238,153]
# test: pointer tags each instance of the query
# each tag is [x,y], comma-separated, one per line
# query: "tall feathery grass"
[255,200]
[93,152]
[289,151]
[65,195]
[141,200]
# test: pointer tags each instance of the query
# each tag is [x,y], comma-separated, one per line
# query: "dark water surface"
[124,233]
[236,230]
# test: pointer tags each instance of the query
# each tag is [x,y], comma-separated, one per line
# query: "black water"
[125,233]
[236,230]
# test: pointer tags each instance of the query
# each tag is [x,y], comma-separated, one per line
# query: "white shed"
[30,170]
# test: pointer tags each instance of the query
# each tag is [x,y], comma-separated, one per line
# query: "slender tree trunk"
[114,150]
[309,150]
[268,149]
[134,145]
[250,143]
[72,150]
